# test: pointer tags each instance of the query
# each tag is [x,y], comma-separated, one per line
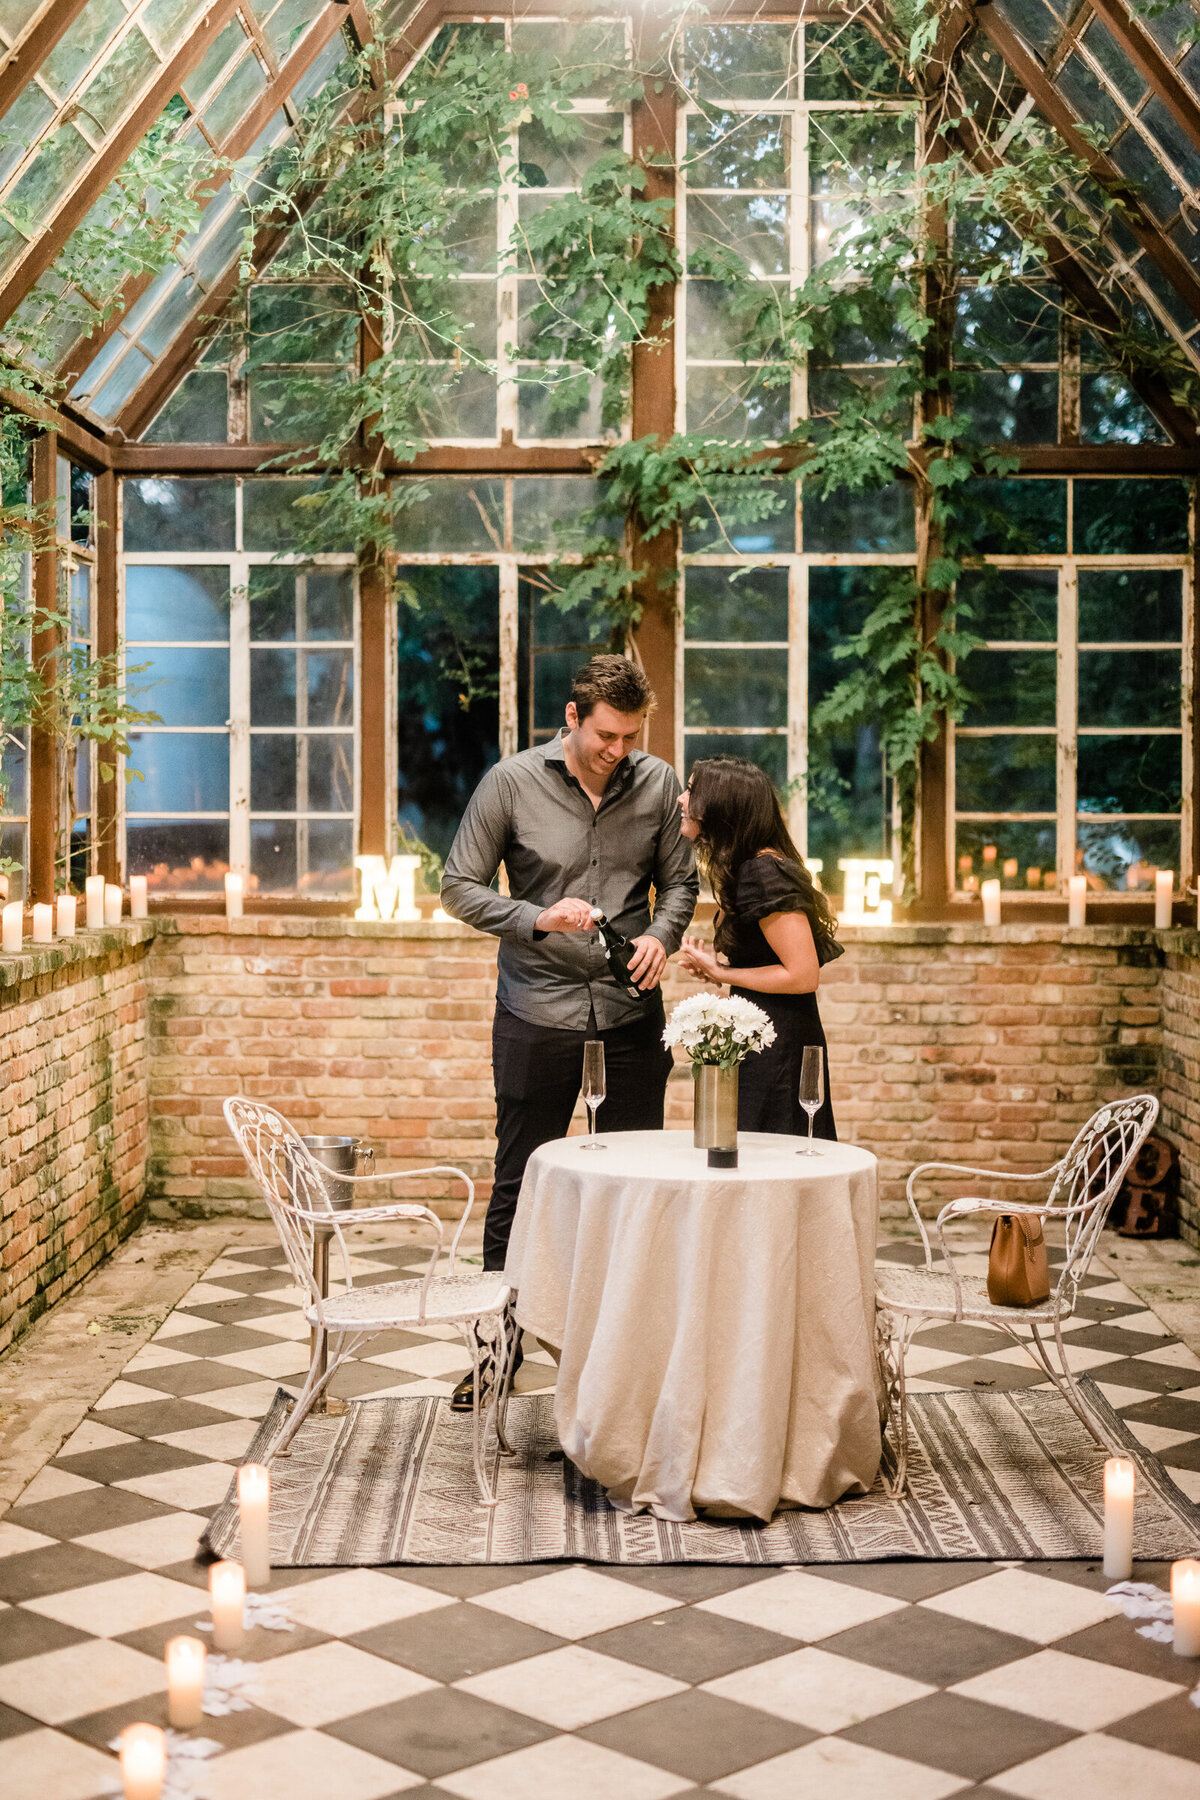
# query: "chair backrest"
[1089,1176]
[291,1182]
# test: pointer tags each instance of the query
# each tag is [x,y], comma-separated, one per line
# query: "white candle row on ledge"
[104,904]
[1164,894]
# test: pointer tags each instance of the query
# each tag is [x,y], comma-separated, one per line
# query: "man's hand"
[565,915]
[647,963]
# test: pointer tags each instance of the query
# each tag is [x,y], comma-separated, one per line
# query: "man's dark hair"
[615,680]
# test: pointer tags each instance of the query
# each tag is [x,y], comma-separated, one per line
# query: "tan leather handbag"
[1018,1269]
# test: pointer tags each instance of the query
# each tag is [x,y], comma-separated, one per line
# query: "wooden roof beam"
[31,49]
[1053,107]
[108,161]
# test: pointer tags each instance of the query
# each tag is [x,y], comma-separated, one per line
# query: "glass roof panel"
[235,98]
[29,113]
[1099,40]
[75,52]
[1169,26]
[166,22]
[124,74]
[288,23]
[15,15]
[1174,140]
[222,54]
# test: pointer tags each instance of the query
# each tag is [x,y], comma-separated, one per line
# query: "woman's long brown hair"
[738,813]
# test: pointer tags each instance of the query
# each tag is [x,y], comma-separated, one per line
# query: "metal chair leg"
[1063,1378]
[891,1341]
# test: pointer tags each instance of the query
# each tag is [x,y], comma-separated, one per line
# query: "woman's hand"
[697,959]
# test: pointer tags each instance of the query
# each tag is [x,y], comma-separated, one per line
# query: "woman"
[774,931]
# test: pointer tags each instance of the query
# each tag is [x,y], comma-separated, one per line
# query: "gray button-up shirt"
[531,814]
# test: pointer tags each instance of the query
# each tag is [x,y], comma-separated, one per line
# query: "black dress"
[769,1081]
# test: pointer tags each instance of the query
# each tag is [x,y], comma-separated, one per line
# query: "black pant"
[538,1073]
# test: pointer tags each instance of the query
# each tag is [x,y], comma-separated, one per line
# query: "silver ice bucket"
[341,1156]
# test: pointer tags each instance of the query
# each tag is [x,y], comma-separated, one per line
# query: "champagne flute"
[594,1088]
[812,1090]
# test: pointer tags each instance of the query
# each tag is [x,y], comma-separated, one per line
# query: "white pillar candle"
[139,907]
[254,1514]
[1164,888]
[12,922]
[185,1682]
[233,895]
[143,1761]
[991,902]
[114,901]
[227,1591]
[64,922]
[1077,900]
[1185,1607]
[1119,1478]
[43,924]
[93,889]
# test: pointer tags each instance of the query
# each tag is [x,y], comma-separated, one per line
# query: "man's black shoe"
[462,1399]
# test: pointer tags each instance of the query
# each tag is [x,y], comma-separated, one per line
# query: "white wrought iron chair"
[292,1183]
[1083,1186]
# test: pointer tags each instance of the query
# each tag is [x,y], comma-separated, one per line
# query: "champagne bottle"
[618,951]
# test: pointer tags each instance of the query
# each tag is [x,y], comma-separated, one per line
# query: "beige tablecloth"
[716,1326]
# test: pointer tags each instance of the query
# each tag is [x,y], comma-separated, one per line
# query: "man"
[585,821]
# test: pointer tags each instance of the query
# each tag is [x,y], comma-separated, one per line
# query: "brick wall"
[947,1040]
[73,1126]
[1180,1066]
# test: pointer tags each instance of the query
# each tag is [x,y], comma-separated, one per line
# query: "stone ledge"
[65,953]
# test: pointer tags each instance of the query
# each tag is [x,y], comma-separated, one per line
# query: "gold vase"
[715,1114]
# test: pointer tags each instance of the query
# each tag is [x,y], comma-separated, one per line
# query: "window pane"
[1005,774]
[562,161]
[774,530]
[447,715]
[1130,605]
[174,514]
[1111,413]
[1019,517]
[739,604]
[301,687]
[1025,854]
[328,785]
[1125,853]
[739,62]
[769,752]
[755,225]
[547,513]
[847,764]
[878,521]
[1139,518]
[1010,687]
[185,687]
[844,148]
[738,403]
[182,772]
[1129,687]
[273,773]
[1020,605]
[178,856]
[458,513]
[286,604]
[196,413]
[736,150]
[735,687]
[165,603]
[271,520]
[1130,774]
[1009,408]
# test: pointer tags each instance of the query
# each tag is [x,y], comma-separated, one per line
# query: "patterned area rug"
[1010,1476]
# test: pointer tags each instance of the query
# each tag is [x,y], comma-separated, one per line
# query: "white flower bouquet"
[718,1029]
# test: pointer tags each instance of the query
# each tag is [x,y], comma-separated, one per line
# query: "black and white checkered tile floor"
[911,1681]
